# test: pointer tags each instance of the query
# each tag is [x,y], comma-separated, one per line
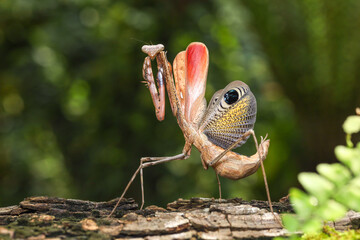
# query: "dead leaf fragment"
[5,231]
[89,225]
[111,230]
[38,237]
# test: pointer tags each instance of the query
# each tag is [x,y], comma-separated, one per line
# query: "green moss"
[95,213]
[331,234]
[5,237]
[24,232]
[96,236]
[103,221]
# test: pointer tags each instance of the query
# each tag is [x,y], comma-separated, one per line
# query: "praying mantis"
[226,123]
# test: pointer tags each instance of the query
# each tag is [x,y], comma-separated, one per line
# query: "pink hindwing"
[196,62]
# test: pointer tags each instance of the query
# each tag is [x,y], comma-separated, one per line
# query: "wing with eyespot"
[231,112]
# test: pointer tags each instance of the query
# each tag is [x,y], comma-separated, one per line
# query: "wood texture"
[197,218]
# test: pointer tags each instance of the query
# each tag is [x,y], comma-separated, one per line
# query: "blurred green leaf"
[316,185]
[355,182]
[349,195]
[331,210]
[291,222]
[350,157]
[303,204]
[352,124]
[313,225]
[336,173]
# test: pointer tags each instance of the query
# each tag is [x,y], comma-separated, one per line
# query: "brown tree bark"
[197,218]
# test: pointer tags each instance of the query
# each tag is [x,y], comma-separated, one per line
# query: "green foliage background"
[75,119]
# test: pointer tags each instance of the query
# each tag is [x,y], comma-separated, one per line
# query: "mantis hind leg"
[219,184]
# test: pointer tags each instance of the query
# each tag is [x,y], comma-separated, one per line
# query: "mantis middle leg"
[147,162]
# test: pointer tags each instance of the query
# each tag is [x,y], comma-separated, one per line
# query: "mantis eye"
[231,96]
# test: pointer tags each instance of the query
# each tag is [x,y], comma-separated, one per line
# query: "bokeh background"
[75,119]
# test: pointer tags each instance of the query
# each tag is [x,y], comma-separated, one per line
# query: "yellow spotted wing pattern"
[231,112]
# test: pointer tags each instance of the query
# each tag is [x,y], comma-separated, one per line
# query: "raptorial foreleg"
[157,94]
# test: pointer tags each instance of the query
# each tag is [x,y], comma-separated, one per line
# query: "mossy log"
[197,218]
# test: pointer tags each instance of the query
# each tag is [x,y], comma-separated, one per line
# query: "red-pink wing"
[197,62]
